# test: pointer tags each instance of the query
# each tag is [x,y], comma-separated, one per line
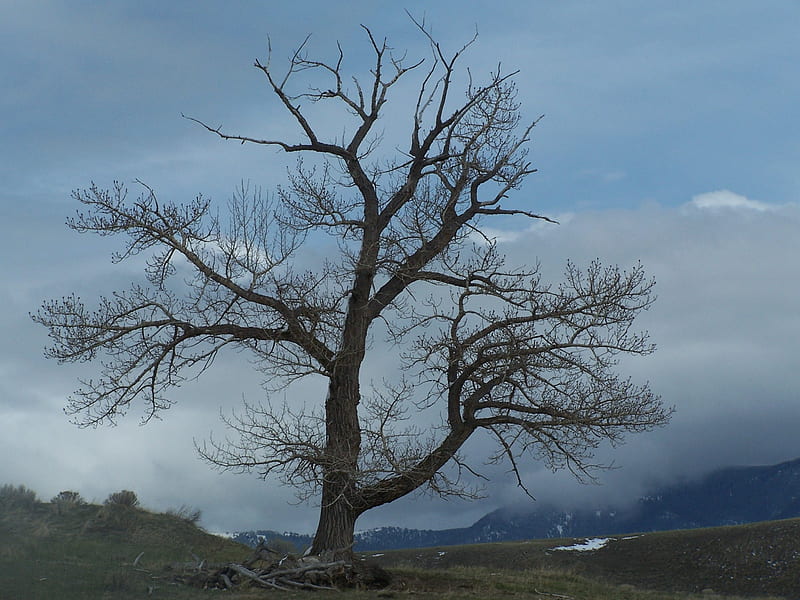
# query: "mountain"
[729,496]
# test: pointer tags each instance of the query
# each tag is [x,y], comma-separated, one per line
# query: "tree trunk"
[341,501]
[337,521]
[338,510]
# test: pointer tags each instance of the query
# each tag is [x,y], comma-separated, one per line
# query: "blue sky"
[670,136]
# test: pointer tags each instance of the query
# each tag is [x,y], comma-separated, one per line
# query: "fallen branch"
[226,580]
[309,567]
[307,586]
[549,595]
[252,575]
[267,570]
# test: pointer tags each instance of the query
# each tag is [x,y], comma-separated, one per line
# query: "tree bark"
[339,485]
[337,521]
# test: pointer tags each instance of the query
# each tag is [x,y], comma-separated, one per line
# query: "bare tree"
[491,347]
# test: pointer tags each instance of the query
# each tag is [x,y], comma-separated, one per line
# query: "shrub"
[123,498]
[68,497]
[186,513]
[17,496]
[64,501]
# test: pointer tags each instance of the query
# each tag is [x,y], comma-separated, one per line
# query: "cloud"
[724,322]
[725,325]
[727,200]
[506,236]
[98,94]
[726,329]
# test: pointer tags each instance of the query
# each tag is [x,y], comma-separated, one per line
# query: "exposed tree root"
[265,568]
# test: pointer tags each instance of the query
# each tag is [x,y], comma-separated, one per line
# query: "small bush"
[17,496]
[68,497]
[123,498]
[66,500]
[186,513]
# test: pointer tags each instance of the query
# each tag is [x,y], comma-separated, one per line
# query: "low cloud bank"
[725,323]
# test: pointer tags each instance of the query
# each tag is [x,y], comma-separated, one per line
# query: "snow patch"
[587,545]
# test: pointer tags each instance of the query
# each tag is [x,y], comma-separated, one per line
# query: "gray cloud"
[649,115]
[725,323]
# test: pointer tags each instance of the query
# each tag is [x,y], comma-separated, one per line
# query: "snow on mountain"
[728,496]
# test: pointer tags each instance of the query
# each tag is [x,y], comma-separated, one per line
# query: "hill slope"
[89,551]
[116,552]
[759,558]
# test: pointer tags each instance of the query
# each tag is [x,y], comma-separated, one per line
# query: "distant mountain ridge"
[729,496]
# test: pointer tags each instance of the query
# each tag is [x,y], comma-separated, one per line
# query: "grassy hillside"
[89,551]
[760,558]
[73,551]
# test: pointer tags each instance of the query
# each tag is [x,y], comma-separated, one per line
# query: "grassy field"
[759,558]
[72,552]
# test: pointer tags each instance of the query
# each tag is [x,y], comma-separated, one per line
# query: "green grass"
[489,584]
[90,552]
[750,560]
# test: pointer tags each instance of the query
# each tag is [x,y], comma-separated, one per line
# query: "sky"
[670,136]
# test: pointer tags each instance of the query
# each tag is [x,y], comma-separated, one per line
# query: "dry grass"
[750,560]
[91,551]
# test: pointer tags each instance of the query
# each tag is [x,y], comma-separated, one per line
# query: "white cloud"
[727,200]
[538,226]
